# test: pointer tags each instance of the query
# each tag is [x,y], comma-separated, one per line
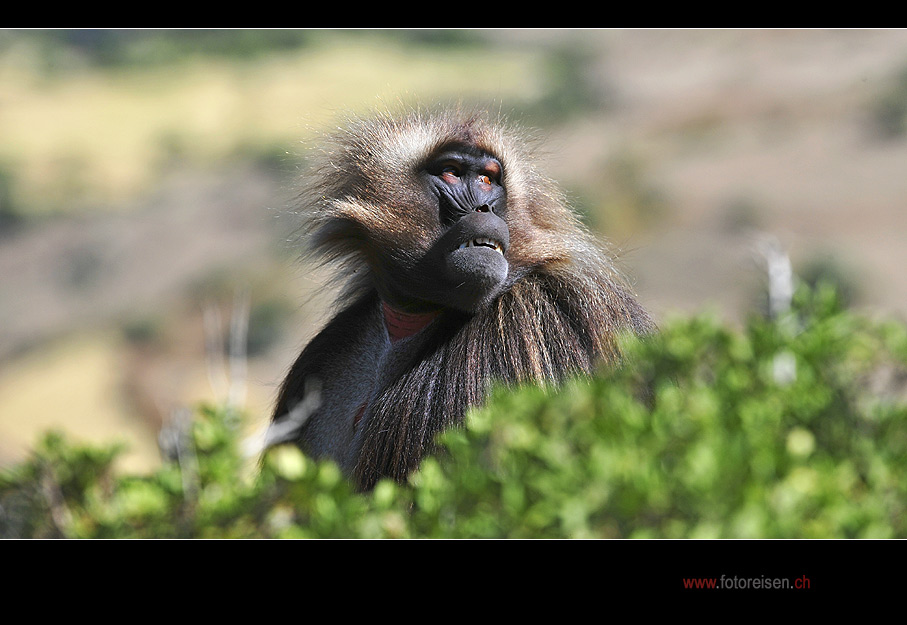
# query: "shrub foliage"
[789,428]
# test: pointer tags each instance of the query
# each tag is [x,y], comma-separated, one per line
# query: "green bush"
[793,429]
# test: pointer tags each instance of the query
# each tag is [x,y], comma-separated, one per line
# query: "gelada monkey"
[462,266]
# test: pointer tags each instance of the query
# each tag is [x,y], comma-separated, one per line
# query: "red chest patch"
[401,325]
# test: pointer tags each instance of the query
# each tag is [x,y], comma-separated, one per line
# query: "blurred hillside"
[146,179]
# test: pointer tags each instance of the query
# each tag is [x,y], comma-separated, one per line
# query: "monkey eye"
[491,172]
[450,173]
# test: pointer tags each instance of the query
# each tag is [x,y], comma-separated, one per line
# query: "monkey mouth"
[483,242]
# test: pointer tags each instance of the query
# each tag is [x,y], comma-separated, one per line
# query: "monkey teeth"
[483,242]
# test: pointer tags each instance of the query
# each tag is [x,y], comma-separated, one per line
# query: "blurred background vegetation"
[147,182]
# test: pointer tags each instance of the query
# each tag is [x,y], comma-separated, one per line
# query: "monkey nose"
[484,208]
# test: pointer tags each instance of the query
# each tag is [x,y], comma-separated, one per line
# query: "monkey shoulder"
[342,360]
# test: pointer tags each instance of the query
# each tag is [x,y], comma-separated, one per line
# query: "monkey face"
[464,265]
[423,203]
[468,262]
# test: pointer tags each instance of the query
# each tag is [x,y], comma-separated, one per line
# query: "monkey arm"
[342,359]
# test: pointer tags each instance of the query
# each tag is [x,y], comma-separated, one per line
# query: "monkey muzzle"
[465,268]
[475,258]
[488,224]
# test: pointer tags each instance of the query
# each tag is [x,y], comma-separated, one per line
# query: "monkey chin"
[476,274]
